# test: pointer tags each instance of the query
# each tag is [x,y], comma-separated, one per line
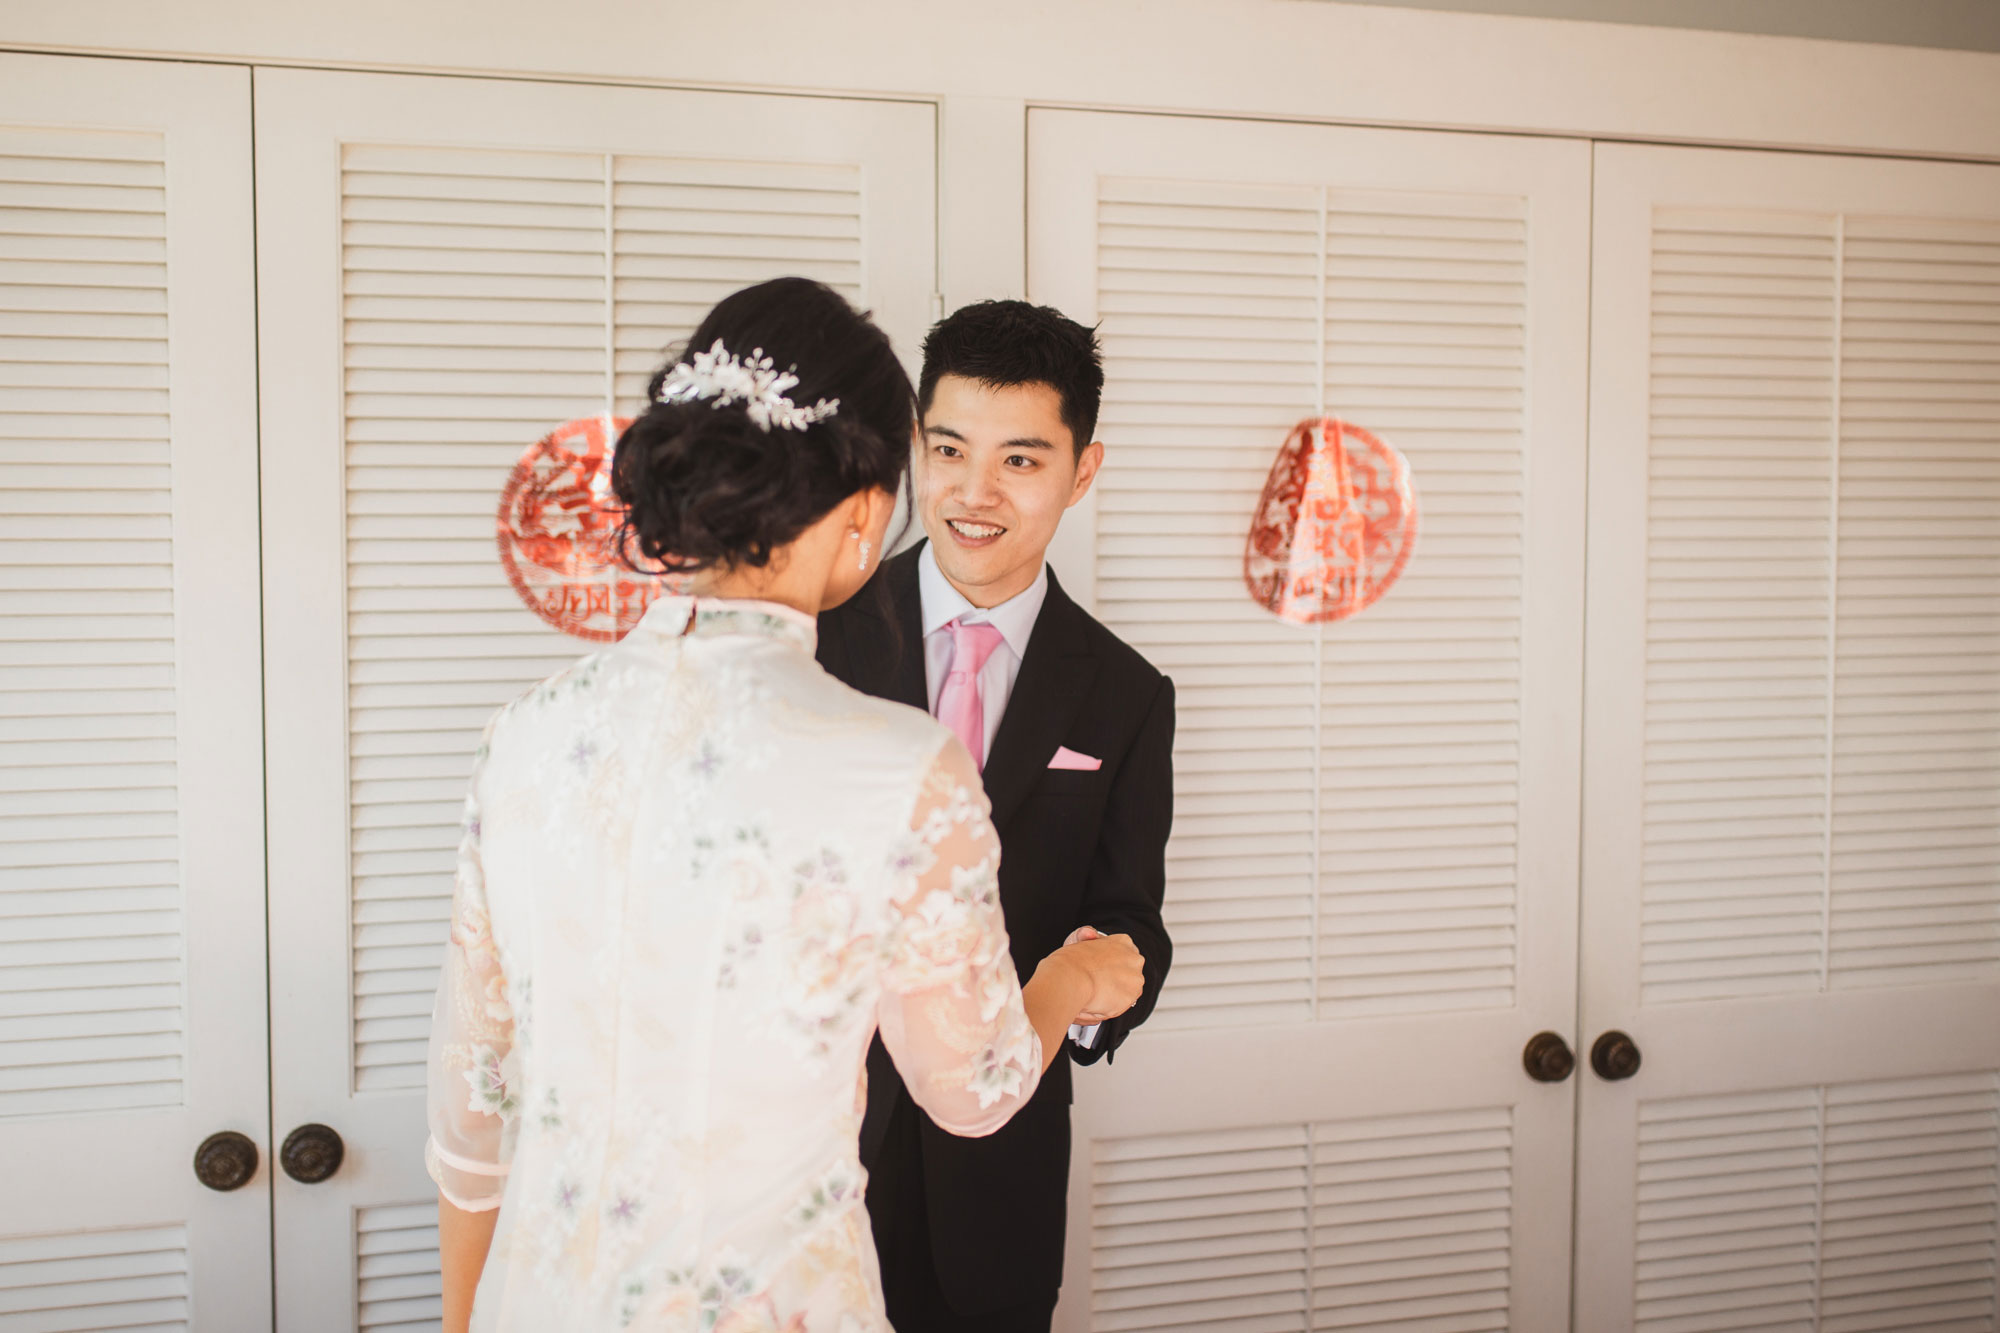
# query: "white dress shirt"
[1015,619]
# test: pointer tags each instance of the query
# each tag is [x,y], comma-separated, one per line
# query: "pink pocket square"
[1068,758]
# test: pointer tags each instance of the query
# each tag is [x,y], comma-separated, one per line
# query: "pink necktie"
[959,704]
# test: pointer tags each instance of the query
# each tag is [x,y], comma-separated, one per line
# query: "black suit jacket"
[1077,848]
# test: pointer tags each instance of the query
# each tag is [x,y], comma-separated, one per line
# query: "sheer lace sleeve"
[951,1012]
[471,1101]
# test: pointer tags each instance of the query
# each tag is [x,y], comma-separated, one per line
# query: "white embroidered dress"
[697,872]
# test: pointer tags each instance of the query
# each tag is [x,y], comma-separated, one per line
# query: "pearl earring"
[864,554]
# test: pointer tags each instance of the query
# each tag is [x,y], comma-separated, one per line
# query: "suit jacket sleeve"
[1128,876]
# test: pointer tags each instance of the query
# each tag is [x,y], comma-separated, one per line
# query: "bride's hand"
[1116,968]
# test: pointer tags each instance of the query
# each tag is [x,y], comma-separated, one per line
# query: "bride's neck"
[791,578]
[798,574]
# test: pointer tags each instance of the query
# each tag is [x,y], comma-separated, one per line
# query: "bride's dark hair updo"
[707,487]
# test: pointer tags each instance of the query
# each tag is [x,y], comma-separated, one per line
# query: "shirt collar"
[669,617]
[1014,618]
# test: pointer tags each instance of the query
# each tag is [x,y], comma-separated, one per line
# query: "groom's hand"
[1116,968]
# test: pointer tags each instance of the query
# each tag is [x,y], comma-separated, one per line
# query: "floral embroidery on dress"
[949,937]
[909,857]
[839,1187]
[712,1293]
[728,1281]
[479,999]
[829,978]
[522,988]
[713,619]
[624,1210]
[998,1071]
[739,951]
[746,852]
[489,1077]
[573,680]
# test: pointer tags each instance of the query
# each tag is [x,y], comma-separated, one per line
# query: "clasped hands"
[1112,966]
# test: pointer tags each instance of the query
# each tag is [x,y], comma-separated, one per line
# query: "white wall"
[1359,63]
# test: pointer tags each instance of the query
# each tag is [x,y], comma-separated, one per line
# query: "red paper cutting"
[1335,526]
[558,530]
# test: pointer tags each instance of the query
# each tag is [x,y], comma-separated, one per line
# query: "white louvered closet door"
[449,269]
[1792,756]
[1372,877]
[131,838]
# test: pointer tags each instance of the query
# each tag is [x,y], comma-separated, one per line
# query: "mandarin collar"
[722,617]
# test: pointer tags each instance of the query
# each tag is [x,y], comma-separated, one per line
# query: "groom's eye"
[1020,461]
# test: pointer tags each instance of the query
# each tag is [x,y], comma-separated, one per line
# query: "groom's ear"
[1087,463]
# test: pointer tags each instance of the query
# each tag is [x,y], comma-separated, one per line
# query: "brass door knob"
[1614,1056]
[225,1161]
[1548,1058]
[311,1153]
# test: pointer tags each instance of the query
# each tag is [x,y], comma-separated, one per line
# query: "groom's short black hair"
[1005,343]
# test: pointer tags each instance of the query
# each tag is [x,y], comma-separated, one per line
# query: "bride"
[698,872]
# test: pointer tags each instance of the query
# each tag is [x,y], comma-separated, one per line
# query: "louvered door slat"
[1176,264]
[1736,674]
[1912,1204]
[91,1006]
[436,639]
[1206,1231]
[1787,689]
[1823,538]
[398,1284]
[1915,888]
[1229,312]
[1870,1206]
[1726,1212]
[1417,910]
[1413,1222]
[1400,1222]
[134,1279]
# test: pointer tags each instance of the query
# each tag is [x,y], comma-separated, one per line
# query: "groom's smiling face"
[996,470]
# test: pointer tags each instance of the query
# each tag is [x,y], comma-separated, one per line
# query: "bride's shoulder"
[573,685]
[876,727]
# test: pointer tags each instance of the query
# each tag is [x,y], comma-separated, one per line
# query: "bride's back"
[688,846]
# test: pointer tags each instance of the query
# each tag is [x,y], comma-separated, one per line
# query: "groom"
[1075,731]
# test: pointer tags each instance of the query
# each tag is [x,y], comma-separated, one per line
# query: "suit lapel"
[1055,676]
[888,649]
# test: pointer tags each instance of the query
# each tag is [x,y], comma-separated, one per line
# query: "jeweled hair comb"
[753,381]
